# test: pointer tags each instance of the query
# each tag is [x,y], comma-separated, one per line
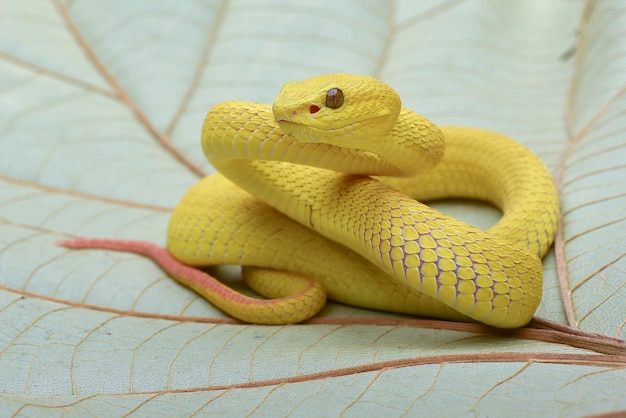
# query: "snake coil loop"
[365,239]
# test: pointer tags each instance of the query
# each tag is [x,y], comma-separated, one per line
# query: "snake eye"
[334,98]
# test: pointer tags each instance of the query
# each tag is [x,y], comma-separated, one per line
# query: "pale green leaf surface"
[101,105]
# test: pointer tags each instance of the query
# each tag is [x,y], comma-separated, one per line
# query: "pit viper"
[319,195]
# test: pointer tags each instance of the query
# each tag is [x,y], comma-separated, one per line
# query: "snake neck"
[304,179]
[247,132]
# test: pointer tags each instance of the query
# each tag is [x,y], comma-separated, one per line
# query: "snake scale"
[319,195]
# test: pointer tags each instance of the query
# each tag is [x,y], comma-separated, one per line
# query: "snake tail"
[300,300]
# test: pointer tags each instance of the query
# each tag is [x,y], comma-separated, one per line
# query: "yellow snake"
[296,199]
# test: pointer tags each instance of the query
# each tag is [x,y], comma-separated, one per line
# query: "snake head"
[328,107]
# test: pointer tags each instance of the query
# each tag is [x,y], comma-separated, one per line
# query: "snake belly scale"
[323,185]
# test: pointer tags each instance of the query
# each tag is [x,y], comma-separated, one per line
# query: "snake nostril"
[314,109]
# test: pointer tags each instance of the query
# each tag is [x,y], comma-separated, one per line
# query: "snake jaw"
[287,127]
[283,120]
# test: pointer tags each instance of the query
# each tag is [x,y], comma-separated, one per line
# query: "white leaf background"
[101,105]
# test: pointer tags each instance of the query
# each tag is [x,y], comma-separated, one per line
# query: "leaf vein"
[58,76]
[160,138]
[203,61]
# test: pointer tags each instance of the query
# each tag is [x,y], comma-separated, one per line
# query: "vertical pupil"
[334,98]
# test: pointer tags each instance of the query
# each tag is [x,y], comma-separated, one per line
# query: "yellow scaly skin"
[368,244]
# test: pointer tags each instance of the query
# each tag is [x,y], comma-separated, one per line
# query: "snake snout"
[280,114]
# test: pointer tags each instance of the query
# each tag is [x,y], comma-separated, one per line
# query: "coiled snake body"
[310,157]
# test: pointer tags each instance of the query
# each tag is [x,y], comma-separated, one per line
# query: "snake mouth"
[295,130]
[283,122]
